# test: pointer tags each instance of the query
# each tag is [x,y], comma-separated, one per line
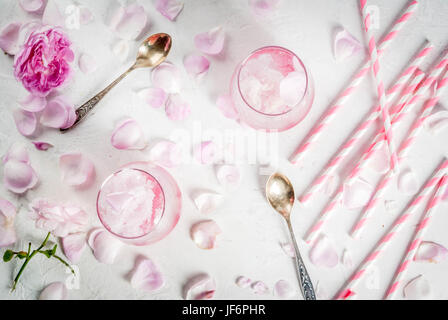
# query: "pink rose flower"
[60,220]
[42,63]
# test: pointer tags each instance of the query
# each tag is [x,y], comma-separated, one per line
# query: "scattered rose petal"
[146,276]
[357,194]
[17,152]
[259,287]
[170,9]
[58,114]
[121,49]
[167,77]
[347,260]
[228,175]
[74,246]
[331,184]
[26,122]
[166,153]
[7,217]
[205,152]
[204,234]
[263,7]
[87,64]
[42,146]
[207,202]
[200,287]
[380,160]
[76,170]
[128,135]
[225,104]
[407,181]
[154,97]
[437,121]
[105,247]
[52,16]
[288,249]
[33,103]
[196,65]
[292,88]
[176,108]
[431,252]
[211,42]
[417,289]
[243,282]
[283,289]
[18,177]
[54,291]
[8,38]
[345,45]
[323,254]
[128,22]
[31,5]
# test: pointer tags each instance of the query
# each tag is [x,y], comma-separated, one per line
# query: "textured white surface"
[252,232]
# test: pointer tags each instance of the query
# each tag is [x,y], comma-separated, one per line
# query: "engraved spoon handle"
[83,110]
[305,283]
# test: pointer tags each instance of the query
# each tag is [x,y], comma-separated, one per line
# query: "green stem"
[65,263]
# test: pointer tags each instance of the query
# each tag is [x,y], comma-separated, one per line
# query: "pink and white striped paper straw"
[376,69]
[418,238]
[404,150]
[328,116]
[314,231]
[348,291]
[335,163]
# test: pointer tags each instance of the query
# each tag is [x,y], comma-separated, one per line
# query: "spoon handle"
[82,111]
[305,283]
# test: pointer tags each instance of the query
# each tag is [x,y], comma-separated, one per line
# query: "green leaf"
[53,251]
[22,254]
[8,255]
[47,253]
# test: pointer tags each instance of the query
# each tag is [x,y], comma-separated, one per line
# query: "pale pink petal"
[380,160]
[292,88]
[417,289]
[85,15]
[204,234]
[54,291]
[105,247]
[128,135]
[7,217]
[228,175]
[437,121]
[154,97]
[52,15]
[211,42]
[87,63]
[42,146]
[323,254]
[31,5]
[58,114]
[170,9]
[121,49]
[76,169]
[331,184]
[74,246]
[345,45]
[407,181]
[288,249]
[196,65]
[356,194]
[146,276]
[33,103]
[207,202]
[259,287]
[176,108]
[17,152]
[200,287]
[18,177]
[205,152]
[263,7]
[166,153]
[347,260]
[227,107]
[8,38]
[431,252]
[128,22]
[243,282]
[26,122]
[283,289]
[167,77]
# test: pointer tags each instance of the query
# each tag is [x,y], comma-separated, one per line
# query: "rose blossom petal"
[288,249]
[170,9]
[211,42]
[204,234]
[154,97]
[128,135]
[8,38]
[431,252]
[105,247]
[33,103]
[76,169]
[87,63]
[42,146]
[323,254]
[167,77]
[243,282]
[417,289]
[73,246]
[52,16]
[7,217]
[357,194]
[380,160]
[54,291]
[205,152]
[121,49]
[166,153]
[17,152]
[345,45]
[228,175]
[128,22]
[259,287]
[227,107]
[26,122]
[347,260]
[196,65]
[176,108]
[407,181]
[207,202]
[437,121]
[200,287]
[58,114]
[283,289]
[18,177]
[31,5]
[263,7]
[146,276]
